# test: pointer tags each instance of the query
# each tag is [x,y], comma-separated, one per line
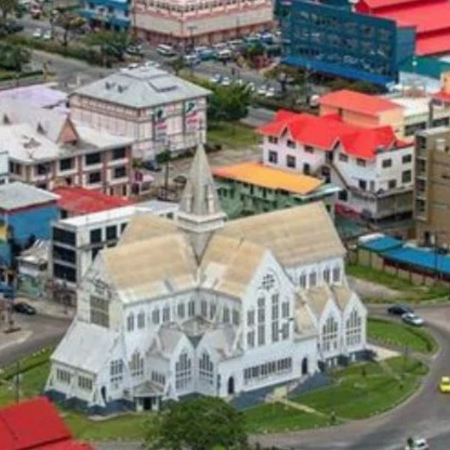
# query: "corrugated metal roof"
[20,195]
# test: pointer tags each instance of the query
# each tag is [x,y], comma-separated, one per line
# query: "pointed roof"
[200,196]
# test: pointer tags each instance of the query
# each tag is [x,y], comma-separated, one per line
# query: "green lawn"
[232,135]
[358,396]
[408,292]
[400,335]
[272,418]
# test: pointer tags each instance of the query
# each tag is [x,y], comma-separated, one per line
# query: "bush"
[89,55]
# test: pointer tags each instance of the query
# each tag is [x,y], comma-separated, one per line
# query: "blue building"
[26,213]
[108,14]
[329,38]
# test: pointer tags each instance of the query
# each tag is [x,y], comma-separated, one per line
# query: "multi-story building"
[201,305]
[26,214]
[432,186]
[252,188]
[371,49]
[150,106]
[47,149]
[373,168]
[200,22]
[112,15]
[76,241]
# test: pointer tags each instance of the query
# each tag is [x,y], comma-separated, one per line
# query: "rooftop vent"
[109,85]
[121,88]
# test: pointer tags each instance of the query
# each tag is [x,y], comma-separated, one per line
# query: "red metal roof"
[442,96]
[431,19]
[355,101]
[35,425]
[325,132]
[79,201]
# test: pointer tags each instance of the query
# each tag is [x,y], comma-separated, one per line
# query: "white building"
[152,107]
[47,149]
[372,167]
[77,240]
[200,305]
[201,22]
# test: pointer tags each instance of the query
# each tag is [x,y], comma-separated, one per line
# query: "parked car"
[225,81]
[417,444]
[444,385]
[399,310]
[412,319]
[150,63]
[204,53]
[13,27]
[215,79]
[37,34]
[47,36]
[24,308]
[152,165]
[271,92]
[262,90]
[135,50]
[192,59]
[224,55]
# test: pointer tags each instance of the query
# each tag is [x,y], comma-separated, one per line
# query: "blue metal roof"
[425,259]
[381,244]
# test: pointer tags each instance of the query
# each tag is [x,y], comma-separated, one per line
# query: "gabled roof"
[317,298]
[151,268]
[296,235]
[357,102]
[229,265]
[35,425]
[342,295]
[18,195]
[325,132]
[374,4]
[81,336]
[268,177]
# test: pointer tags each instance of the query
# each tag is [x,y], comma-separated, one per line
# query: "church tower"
[200,213]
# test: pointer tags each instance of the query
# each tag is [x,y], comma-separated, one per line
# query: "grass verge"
[232,135]
[400,335]
[407,292]
[364,390]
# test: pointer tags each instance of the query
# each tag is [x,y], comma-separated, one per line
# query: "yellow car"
[444,385]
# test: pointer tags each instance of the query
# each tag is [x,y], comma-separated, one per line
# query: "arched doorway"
[305,366]
[230,389]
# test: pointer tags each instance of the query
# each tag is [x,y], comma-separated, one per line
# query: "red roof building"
[76,201]
[35,425]
[431,19]
[325,132]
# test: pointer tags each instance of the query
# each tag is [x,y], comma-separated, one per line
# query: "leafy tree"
[13,57]
[7,6]
[228,103]
[177,65]
[70,24]
[112,44]
[203,423]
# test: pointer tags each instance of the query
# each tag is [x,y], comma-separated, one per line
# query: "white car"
[271,92]
[215,79]
[225,81]
[417,444]
[251,87]
[154,64]
[412,319]
[132,66]
[262,90]
[37,34]
[47,36]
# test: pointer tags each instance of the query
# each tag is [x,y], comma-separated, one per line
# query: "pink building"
[200,21]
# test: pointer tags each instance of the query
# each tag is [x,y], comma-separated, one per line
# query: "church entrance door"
[231,386]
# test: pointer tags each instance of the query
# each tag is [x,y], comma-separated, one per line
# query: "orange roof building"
[262,188]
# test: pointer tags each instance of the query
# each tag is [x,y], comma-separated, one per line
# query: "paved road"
[37,332]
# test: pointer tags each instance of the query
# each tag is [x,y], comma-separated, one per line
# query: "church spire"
[200,213]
